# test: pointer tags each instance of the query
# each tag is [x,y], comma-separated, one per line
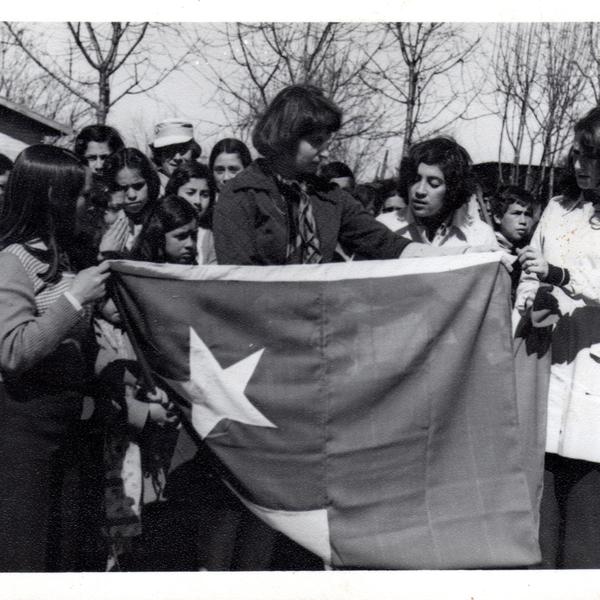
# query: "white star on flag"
[217,393]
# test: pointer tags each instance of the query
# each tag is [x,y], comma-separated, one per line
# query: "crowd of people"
[86,446]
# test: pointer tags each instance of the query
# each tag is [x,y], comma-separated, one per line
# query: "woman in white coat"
[561,271]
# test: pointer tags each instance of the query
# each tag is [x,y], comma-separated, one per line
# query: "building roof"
[47,126]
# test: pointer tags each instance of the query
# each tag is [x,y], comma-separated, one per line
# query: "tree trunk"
[103,98]
[410,109]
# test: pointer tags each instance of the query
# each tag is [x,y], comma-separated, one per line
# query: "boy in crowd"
[513,212]
[94,144]
[173,146]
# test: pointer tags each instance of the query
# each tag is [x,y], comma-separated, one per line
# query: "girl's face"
[133,189]
[180,244]
[587,170]
[197,193]
[426,195]
[226,166]
[309,152]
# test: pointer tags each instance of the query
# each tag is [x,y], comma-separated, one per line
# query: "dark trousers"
[570,514]
[32,431]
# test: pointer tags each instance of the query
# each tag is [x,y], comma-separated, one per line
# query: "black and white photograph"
[299,308]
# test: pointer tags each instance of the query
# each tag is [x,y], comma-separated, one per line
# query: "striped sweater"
[35,317]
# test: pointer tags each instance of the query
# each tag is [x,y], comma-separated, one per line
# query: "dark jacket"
[252,222]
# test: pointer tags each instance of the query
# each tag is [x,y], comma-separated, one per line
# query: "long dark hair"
[40,202]
[169,213]
[587,129]
[195,170]
[132,158]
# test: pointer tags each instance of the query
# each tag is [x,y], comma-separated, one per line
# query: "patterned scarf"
[304,246]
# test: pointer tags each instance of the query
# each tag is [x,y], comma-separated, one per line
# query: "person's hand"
[524,300]
[115,236]
[161,410]
[528,299]
[162,415]
[532,261]
[89,285]
[505,258]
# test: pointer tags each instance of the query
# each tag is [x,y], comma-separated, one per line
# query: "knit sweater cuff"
[557,276]
[73,301]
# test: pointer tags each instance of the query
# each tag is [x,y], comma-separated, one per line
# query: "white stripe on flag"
[366,269]
[309,528]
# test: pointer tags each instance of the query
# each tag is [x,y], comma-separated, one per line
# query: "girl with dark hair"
[437,180]
[228,158]
[561,282]
[278,212]
[43,328]
[193,183]
[169,233]
[143,432]
[132,182]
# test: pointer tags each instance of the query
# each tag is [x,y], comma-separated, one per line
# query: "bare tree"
[100,63]
[538,90]
[25,84]
[516,67]
[588,63]
[262,58]
[428,83]
[562,92]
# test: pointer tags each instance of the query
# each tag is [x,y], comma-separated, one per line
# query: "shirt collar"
[454,225]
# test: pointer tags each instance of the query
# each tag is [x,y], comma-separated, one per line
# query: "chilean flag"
[367,409]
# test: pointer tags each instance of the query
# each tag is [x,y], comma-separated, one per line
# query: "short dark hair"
[230,146]
[181,175]
[587,129]
[5,164]
[296,111]
[510,194]
[132,158]
[336,169]
[100,134]
[41,199]
[169,213]
[452,159]
[159,153]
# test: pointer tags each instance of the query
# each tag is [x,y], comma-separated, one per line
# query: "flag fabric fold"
[368,409]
